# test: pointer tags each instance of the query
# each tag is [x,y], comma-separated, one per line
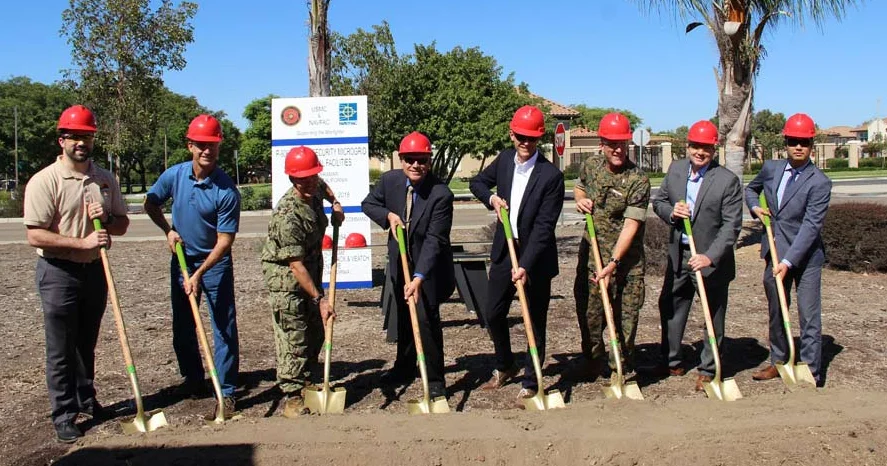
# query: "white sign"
[336,129]
[640,137]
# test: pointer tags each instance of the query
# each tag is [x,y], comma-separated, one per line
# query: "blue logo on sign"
[348,113]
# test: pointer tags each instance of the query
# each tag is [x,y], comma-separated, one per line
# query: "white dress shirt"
[519,182]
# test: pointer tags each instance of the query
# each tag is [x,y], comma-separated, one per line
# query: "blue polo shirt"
[200,209]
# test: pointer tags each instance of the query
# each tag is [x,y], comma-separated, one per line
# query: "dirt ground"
[844,423]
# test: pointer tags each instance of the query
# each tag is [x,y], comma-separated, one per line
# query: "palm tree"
[319,61]
[737,27]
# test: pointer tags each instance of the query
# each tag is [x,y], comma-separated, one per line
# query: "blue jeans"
[218,285]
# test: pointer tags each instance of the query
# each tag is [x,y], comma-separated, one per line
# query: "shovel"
[143,421]
[540,401]
[790,372]
[326,401]
[618,388]
[725,390]
[204,345]
[426,405]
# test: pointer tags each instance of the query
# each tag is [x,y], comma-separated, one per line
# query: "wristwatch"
[316,300]
[615,261]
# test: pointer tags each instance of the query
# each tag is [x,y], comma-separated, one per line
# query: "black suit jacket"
[539,210]
[429,238]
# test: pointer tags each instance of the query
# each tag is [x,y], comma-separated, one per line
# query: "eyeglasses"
[803,142]
[614,144]
[527,139]
[409,160]
[78,137]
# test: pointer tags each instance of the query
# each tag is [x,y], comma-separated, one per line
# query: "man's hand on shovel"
[172,238]
[761,212]
[326,311]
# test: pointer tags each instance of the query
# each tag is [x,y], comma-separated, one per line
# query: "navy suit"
[539,210]
[430,254]
[797,226]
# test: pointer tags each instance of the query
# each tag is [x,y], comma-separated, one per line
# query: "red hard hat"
[415,143]
[205,128]
[703,132]
[528,121]
[77,118]
[327,242]
[355,240]
[615,127]
[301,162]
[799,125]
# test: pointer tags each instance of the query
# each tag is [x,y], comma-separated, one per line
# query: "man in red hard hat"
[798,195]
[616,193]
[532,189]
[292,265]
[711,197]
[61,202]
[205,219]
[416,199]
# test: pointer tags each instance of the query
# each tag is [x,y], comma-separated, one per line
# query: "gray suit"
[716,221]
[797,225]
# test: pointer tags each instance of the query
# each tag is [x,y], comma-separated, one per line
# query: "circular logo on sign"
[291,116]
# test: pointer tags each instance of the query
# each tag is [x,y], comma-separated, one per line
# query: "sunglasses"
[409,160]
[78,137]
[527,139]
[792,142]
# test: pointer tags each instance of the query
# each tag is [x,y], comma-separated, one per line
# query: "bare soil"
[843,423]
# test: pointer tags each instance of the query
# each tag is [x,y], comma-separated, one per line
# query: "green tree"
[590,117]
[738,27]
[459,98]
[120,50]
[767,131]
[255,146]
[38,106]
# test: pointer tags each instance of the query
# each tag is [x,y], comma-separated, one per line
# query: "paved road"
[469,214]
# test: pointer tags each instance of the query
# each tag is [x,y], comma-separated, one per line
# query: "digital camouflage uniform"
[295,231]
[616,197]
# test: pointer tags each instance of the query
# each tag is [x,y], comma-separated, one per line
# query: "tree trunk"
[319,59]
[736,91]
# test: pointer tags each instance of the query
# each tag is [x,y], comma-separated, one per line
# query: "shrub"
[571,172]
[375,174]
[11,203]
[837,163]
[656,245]
[255,197]
[755,167]
[872,162]
[852,237]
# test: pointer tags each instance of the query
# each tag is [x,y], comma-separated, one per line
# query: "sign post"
[640,137]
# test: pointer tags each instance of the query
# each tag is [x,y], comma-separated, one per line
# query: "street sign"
[640,137]
[560,139]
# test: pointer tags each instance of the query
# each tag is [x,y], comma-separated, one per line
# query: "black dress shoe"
[67,432]
[92,410]
[437,391]
[397,376]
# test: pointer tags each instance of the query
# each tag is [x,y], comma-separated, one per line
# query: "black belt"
[685,247]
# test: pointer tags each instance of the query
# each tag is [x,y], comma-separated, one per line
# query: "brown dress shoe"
[499,379]
[677,371]
[522,395]
[702,379]
[767,373]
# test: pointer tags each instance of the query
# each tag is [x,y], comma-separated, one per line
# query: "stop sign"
[560,139]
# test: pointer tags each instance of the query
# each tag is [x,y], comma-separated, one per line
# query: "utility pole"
[15,117]
[237,168]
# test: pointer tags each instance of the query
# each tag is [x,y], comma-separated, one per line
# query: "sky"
[602,53]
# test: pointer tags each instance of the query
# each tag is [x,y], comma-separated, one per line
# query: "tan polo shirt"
[56,198]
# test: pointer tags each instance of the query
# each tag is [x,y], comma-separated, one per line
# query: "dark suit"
[428,246]
[540,207]
[797,226]
[716,222]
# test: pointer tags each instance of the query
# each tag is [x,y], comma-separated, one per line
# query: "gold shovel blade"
[320,401]
[148,422]
[437,405]
[542,402]
[792,374]
[724,390]
[617,390]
